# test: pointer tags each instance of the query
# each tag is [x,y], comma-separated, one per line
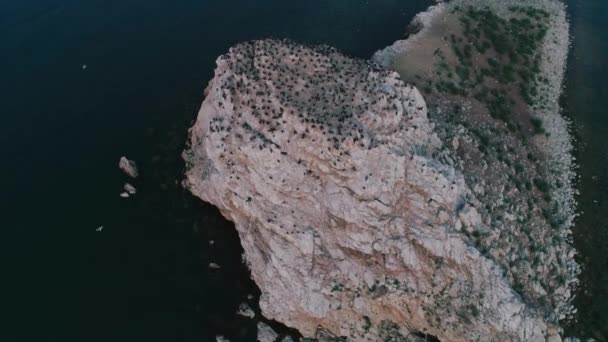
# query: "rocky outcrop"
[265,333]
[416,31]
[129,167]
[330,170]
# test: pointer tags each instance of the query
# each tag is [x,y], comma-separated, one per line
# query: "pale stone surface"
[129,167]
[265,333]
[327,166]
[423,21]
[130,189]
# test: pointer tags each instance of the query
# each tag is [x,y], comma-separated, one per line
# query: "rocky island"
[426,193]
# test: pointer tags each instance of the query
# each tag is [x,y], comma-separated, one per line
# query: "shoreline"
[559,144]
[386,56]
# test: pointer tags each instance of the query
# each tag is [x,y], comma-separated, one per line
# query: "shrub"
[542,185]
[537,125]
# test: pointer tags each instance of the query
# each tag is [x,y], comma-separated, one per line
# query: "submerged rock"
[329,168]
[130,189]
[129,167]
[245,310]
[265,333]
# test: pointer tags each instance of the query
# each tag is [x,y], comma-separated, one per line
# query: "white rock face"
[326,166]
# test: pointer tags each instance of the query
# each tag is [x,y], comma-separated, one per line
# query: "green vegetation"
[537,125]
[474,310]
[337,288]
[542,185]
[367,323]
[496,59]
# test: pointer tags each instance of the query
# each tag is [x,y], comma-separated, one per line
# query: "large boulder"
[328,166]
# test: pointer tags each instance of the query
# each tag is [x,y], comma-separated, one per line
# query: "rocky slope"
[351,225]
[491,73]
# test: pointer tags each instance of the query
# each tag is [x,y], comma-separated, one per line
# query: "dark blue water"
[145,276]
[587,103]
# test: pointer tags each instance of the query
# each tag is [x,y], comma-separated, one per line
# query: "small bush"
[542,185]
[537,125]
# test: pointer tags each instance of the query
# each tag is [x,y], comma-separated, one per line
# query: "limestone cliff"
[331,172]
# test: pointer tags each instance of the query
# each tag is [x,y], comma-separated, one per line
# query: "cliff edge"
[353,220]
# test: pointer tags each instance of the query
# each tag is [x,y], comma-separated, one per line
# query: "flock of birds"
[283,97]
[278,91]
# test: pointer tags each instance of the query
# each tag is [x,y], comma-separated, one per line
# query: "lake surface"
[586,102]
[145,276]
